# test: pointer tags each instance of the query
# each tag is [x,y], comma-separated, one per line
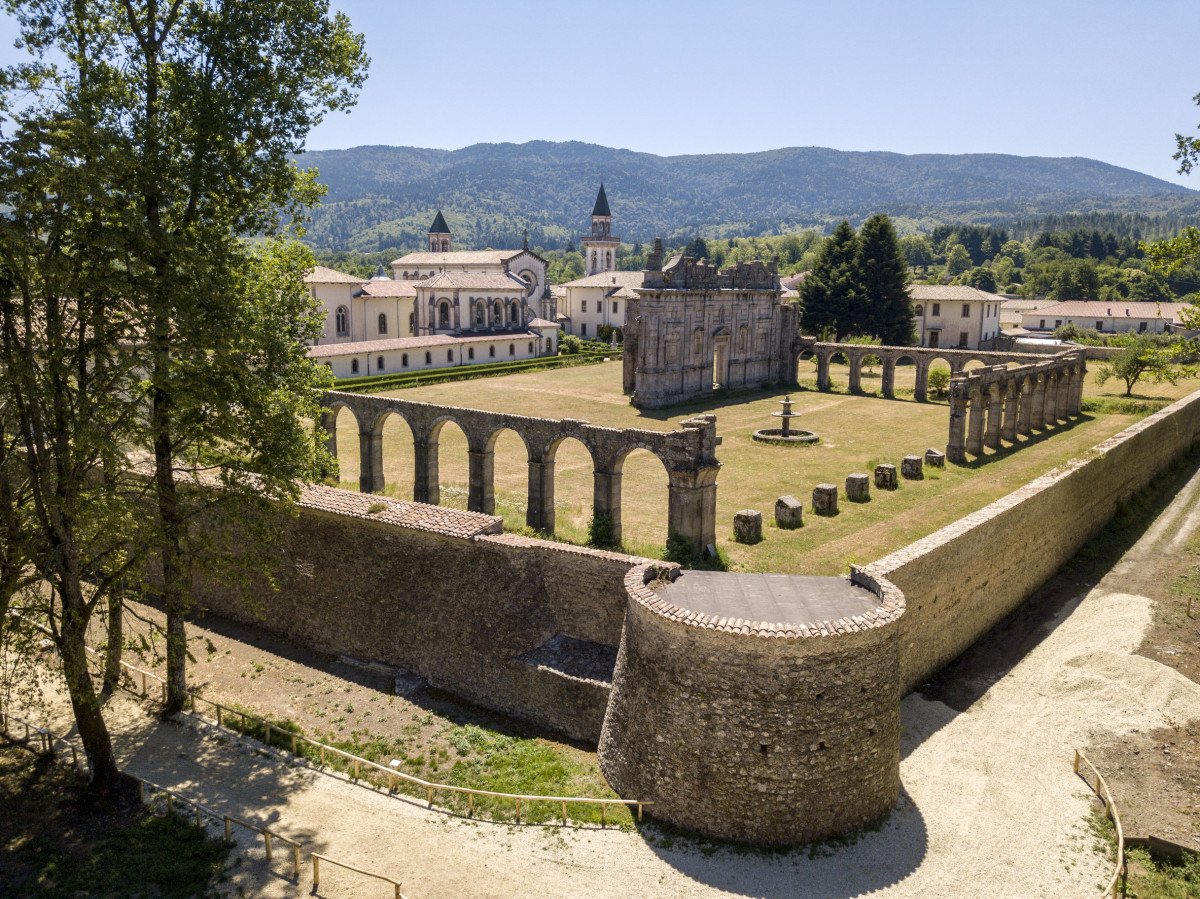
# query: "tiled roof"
[359,347]
[601,207]
[1020,305]
[323,275]
[389,288]
[475,281]
[457,257]
[951,293]
[399,513]
[609,279]
[439,225]
[543,323]
[1104,309]
[791,282]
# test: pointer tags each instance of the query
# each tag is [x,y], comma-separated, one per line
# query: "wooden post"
[322,755]
[639,805]
[316,860]
[397,886]
[296,861]
[1076,765]
[357,770]
[470,805]
[267,841]
[603,814]
[518,811]
[199,820]
[294,744]
[164,692]
[170,803]
[144,693]
[220,722]
[268,741]
[429,795]
[564,811]
[228,830]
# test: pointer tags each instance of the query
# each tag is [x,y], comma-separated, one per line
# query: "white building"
[955,315]
[1104,316]
[442,308]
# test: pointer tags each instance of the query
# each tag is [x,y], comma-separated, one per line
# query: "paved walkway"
[990,804]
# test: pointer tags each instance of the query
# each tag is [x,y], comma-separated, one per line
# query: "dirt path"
[990,804]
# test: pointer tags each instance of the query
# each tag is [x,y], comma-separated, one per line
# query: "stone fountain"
[786,434]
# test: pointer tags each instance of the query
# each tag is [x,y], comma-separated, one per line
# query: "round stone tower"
[757,708]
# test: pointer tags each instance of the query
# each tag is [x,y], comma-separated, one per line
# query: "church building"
[601,298]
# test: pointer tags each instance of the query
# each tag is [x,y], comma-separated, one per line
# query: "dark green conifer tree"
[885,309]
[833,290]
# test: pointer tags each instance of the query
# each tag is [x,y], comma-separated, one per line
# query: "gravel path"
[990,804]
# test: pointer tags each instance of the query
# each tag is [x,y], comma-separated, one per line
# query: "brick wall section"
[435,591]
[766,734]
[963,579]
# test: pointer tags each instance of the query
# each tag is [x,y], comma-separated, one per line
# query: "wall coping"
[398,513]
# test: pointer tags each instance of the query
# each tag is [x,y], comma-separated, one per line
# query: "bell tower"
[600,247]
[439,235]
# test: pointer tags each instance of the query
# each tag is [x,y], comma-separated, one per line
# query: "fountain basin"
[794,437]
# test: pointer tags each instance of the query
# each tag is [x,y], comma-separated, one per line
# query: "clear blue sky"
[1105,79]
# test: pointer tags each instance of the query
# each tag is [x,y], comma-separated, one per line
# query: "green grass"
[857,432]
[53,843]
[1149,879]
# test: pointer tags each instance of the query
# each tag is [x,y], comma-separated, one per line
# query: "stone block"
[885,476]
[858,488]
[911,468]
[825,499]
[935,458]
[747,526]
[789,512]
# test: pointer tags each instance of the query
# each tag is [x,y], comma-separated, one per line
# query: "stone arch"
[648,483]
[447,472]
[892,361]
[567,490]
[481,458]
[349,425]
[392,454]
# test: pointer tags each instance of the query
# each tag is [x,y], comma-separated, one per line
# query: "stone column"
[692,507]
[1066,387]
[889,377]
[822,371]
[1025,414]
[855,372]
[956,450]
[425,471]
[995,401]
[606,499]
[539,508]
[481,491]
[1050,410]
[1008,429]
[977,414]
[1037,417]
[921,385]
[370,462]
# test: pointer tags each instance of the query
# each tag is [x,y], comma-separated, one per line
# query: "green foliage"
[684,554]
[601,532]
[885,309]
[981,278]
[397,381]
[833,290]
[958,260]
[939,381]
[1142,358]
[569,345]
[1187,148]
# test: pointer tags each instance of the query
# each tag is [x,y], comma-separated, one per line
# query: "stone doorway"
[720,362]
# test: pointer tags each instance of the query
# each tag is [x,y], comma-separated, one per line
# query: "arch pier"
[688,455]
[997,404]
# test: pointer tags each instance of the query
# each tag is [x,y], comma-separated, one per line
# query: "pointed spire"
[381,274]
[439,225]
[601,207]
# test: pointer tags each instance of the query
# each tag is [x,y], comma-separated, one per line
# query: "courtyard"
[857,432]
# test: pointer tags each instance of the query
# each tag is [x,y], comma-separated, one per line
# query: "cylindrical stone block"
[858,488]
[885,476]
[747,526]
[911,468]
[935,458]
[789,512]
[825,499]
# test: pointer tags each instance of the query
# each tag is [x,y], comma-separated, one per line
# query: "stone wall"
[963,579]
[444,594]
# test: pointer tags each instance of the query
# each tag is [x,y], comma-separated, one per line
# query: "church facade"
[692,329]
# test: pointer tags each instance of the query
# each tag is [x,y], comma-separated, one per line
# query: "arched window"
[498,314]
[449,355]
[404,361]
[342,321]
[512,349]
[444,315]
[353,366]
[471,352]
[429,358]
[412,323]
[531,346]
[698,342]
[379,363]
[608,258]
[492,351]
[480,314]
[382,323]
[515,311]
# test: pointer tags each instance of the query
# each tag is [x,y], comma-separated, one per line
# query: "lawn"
[857,432]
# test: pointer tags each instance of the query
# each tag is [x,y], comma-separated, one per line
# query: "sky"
[1108,80]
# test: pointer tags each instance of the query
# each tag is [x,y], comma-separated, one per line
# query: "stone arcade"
[693,329]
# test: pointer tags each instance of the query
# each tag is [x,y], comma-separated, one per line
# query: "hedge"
[400,380]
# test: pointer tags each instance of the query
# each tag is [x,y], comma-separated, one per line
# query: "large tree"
[833,290]
[887,312]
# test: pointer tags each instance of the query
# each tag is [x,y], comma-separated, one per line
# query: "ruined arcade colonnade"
[998,403]
[891,356]
[688,455]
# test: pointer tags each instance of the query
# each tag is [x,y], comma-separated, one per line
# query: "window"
[412,323]
[404,361]
[379,363]
[429,358]
[1099,326]
[444,315]
[479,314]
[920,310]
[697,342]
[449,355]
[342,321]
[1041,323]
[583,330]
[966,310]
[937,309]
[583,305]
[614,307]
[353,366]
[471,352]
[1058,323]
[512,349]
[492,351]
[962,338]
[382,323]
[515,313]
[531,346]
[608,258]
[1141,327]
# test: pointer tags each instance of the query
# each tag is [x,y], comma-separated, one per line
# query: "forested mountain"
[384,197]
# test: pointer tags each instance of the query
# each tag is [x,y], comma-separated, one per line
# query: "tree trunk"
[116,640]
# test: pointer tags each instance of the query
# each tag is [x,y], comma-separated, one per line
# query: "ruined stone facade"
[693,329]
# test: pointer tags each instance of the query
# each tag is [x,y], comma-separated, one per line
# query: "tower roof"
[601,207]
[439,225]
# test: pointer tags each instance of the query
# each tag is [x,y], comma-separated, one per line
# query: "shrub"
[569,345]
[601,532]
[939,381]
